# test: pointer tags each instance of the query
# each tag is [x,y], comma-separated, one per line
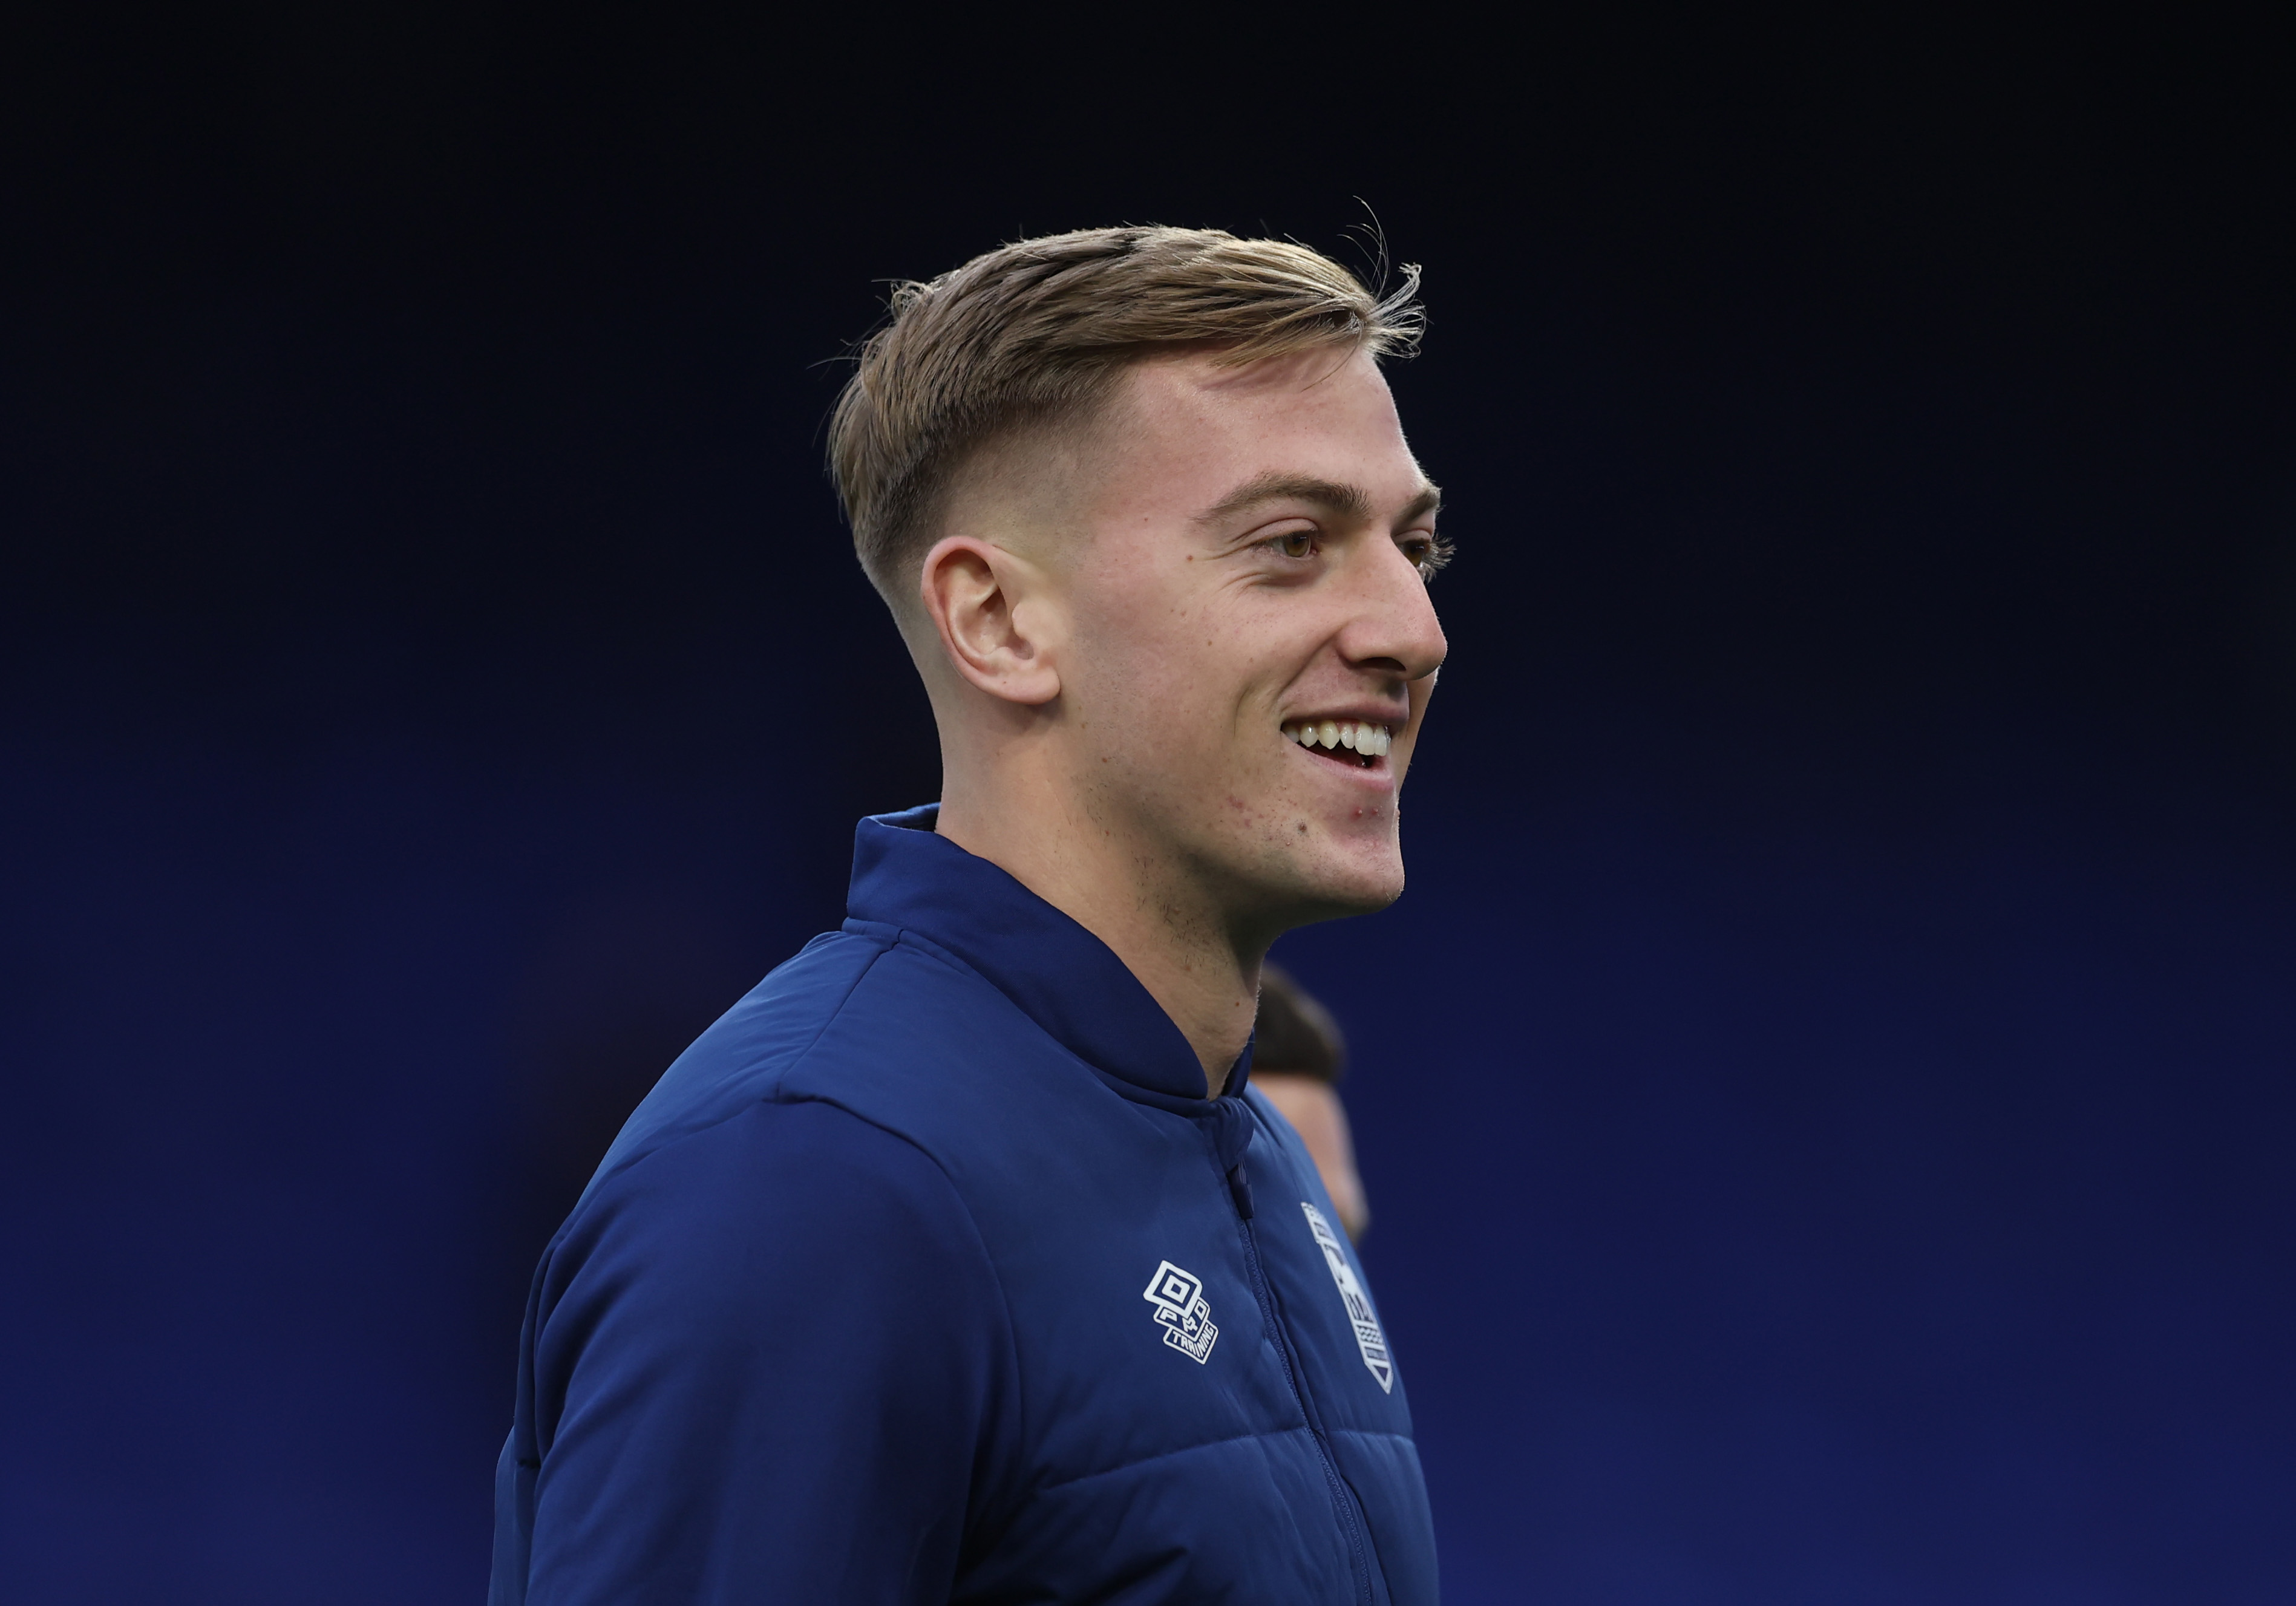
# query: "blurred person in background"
[1298,1056]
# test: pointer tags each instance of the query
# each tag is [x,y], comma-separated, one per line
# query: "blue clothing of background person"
[956,1262]
[930,1272]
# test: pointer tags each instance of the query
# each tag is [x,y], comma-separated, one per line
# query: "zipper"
[1343,1498]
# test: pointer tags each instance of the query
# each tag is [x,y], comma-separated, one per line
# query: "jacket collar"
[1062,976]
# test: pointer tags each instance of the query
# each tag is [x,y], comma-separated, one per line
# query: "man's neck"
[1173,942]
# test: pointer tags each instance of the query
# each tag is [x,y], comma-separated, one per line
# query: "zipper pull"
[1239,1187]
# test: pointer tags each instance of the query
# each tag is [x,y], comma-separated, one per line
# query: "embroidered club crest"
[1369,1338]
[1182,1312]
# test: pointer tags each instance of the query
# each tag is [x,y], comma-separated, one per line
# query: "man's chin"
[1334,891]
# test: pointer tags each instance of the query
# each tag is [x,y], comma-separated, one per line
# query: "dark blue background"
[1826,1094]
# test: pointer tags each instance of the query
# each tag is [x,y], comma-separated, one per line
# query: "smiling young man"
[957,1262]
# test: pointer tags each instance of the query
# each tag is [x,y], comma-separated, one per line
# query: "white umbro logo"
[1181,1311]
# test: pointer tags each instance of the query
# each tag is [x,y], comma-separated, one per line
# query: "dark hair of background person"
[1293,1032]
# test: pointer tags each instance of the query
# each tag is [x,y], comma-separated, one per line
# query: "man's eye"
[1295,543]
[1427,553]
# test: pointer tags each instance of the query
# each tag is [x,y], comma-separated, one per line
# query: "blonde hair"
[1034,335]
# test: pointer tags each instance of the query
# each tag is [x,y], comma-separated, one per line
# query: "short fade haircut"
[1036,335]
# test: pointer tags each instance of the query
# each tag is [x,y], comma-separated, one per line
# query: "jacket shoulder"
[927,1047]
[743,1056]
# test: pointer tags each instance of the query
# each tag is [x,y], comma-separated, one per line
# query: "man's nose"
[1394,630]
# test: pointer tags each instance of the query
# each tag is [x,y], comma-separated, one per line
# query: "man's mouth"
[1357,742]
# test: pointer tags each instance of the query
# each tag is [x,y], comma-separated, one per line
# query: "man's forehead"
[1298,427]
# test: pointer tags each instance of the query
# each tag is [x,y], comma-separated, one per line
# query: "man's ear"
[997,617]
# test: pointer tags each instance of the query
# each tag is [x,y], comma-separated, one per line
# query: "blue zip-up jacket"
[928,1274]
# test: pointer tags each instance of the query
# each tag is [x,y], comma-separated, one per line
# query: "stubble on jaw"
[1305,872]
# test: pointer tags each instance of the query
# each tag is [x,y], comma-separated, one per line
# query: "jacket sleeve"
[768,1362]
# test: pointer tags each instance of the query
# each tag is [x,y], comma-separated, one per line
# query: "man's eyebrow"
[1346,501]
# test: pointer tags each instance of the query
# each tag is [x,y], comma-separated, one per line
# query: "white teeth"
[1372,741]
